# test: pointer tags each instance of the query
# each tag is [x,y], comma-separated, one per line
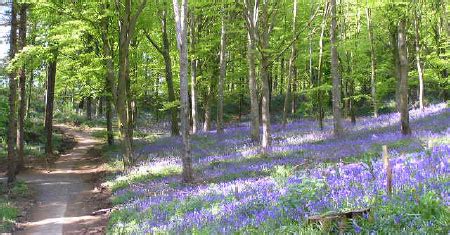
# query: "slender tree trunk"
[194,63]
[110,88]
[280,92]
[336,77]
[207,108]
[50,97]
[418,61]
[319,70]
[127,23]
[396,60]
[12,118]
[109,117]
[403,57]
[22,89]
[291,65]
[100,107]
[254,109]
[169,77]
[30,94]
[251,18]
[181,29]
[89,108]
[373,63]
[223,69]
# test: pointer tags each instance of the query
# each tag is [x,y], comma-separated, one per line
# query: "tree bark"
[50,97]
[319,70]
[251,18]
[127,22]
[181,31]
[22,89]
[110,86]
[336,77]
[291,65]
[372,63]
[89,108]
[207,108]
[175,130]
[396,73]
[12,118]
[403,59]
[418,51]
[194,63]
[265,63]
[223,70]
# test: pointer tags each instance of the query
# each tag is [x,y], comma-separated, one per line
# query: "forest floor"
[66,191]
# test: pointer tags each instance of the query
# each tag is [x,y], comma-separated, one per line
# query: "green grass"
[8,197]
[143,176]
[8,215]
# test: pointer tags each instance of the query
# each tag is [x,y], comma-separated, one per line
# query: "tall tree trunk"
[319,70]
[291,65]
[175,130]
[194,63]
[110,87]
[127,22]
[30,94]
[165,52]
[12,118]
[396,73]
[22,89]
[336,90]
[181,29]
[372,63]
[50,97]
[251,18]
[265,106]
[403,58]
[100,107]
[418,51]
[223,70]
[207,108]
[89,108]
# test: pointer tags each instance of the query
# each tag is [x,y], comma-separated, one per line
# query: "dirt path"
[65,196]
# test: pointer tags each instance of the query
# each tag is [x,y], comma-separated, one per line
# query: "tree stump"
[388,169]
[341,218]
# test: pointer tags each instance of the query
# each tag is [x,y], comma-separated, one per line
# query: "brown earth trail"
[66,195]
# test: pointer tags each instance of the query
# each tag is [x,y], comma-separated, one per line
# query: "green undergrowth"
[35,139]
[10,204]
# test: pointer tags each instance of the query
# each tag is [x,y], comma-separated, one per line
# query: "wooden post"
[388,168]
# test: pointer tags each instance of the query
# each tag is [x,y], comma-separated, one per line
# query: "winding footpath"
[62,192]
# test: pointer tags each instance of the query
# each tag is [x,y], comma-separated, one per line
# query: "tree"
[223,70]
[12,118]
[164,50]
[403,69]
[127,23]
[251,18]
[373,62]
[291,65]
[320,65]
[49,99]
[194,63]
[181,31]
[22,88]
[418,51]
[110,83]
[336,77]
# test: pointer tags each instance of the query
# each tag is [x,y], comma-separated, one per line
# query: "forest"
[224,117]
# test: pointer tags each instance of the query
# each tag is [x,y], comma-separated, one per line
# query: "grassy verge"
[12,201]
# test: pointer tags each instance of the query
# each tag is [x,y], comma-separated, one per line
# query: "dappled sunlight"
[237,187]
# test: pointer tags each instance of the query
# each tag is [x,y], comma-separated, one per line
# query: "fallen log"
[326,220]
